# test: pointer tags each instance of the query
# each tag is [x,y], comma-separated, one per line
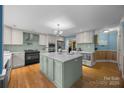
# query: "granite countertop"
[63,57]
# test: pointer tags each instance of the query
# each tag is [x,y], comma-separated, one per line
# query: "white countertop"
[107,50]
[17,52]
[86,52]
[62,57]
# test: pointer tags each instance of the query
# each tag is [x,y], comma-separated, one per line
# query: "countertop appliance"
[32,56]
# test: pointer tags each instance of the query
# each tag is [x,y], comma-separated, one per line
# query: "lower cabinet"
[50,68]
[58,73]
[47,66]
[18,60]
[106,55]
[100,55]
[43,64]
[114,56]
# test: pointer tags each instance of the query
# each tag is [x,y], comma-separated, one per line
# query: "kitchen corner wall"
[27,44]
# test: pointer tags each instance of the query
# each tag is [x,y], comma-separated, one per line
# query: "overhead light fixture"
[106,31]
[58,32]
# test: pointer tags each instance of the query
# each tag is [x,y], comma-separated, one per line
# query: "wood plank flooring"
[101,75]
[29,77]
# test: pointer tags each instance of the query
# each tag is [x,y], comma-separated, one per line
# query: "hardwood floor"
[101,75]
[29,77]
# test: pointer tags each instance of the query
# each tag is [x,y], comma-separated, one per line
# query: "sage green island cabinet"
[44,64]
[50,68]
[62,69]
[47,66]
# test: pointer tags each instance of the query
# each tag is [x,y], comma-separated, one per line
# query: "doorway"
[72,44]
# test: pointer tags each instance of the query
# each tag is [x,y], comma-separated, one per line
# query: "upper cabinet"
[7,35]
[54,39]
[43,39]
[85,37]
[17,37]
[91,37]
[79,38]
[51,39]
[60,38]
[46,39]
[12,37]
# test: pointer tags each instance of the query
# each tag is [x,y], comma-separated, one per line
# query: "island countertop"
[63,57]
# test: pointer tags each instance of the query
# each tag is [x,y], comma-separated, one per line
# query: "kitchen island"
[62,69]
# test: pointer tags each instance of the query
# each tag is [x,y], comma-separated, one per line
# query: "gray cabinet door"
[58,73]
[50,69]
[41,63]
[44,64]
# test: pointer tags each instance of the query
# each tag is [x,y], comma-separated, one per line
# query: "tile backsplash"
[89,47]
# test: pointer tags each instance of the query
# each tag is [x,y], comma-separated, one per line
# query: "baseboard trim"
[112,61]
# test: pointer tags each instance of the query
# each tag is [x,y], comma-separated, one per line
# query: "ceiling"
[72,18]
